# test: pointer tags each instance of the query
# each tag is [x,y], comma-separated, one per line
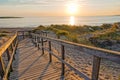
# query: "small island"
[116,15]
[8,17]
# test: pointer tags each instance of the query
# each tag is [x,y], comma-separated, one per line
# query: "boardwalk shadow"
[31,51]
[44,71]
[30,54]
[22,73]
[31,63]
[26,46]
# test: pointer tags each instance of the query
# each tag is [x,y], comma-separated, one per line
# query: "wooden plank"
[33,66]
[96,66]
[37,73]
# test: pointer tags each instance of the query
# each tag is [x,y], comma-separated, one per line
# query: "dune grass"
[73,33]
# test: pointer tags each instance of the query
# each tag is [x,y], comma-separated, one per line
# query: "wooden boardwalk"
[30,64]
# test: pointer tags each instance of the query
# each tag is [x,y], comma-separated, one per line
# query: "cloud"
[42,2]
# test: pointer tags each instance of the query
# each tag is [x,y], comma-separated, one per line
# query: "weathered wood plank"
[96,66]
[32,66]
[63,57]
[50,55]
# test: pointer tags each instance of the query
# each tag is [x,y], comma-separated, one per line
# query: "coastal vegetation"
[2,35]
[2,31]
[99,36]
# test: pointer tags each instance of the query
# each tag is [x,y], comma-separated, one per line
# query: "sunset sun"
[72,8]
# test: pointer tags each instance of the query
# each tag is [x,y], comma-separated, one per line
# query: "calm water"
[35,21]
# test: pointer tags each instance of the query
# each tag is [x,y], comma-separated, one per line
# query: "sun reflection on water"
[72,20]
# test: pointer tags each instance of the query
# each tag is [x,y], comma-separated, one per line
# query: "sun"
[72,8]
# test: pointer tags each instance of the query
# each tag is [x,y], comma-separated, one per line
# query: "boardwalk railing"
[7,52]
[97,54]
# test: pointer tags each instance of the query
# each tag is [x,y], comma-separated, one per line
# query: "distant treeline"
[9,17]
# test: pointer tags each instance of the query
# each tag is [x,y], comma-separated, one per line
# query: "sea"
[69,20]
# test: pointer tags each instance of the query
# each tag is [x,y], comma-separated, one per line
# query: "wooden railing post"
[9,48]
[29,34]
[35,38]
[8,54]
[2,67]
[1,70]
[42,45]
[46,34]
[12,46]
[63,57]
[38,41]
[16,42]
[50,55]
[32,37]
[96,66]
[23,34]
[35,41]
[11,68]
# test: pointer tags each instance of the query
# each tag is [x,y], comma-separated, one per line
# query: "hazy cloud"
[41,2]
[85,7]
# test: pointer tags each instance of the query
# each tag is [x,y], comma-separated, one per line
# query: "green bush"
[96,28]
[110,35]
[41,27]
[2,35]
[61,33]
[4,31]
[73,38]
[73,33]
[106,26]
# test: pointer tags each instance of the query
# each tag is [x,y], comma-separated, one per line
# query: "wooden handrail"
[10,63]
[4,47]
[98,54]
[10,44]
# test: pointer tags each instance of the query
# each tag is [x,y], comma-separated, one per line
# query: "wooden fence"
[97,53]
[8,49]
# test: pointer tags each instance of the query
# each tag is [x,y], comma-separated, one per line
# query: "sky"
[59,7]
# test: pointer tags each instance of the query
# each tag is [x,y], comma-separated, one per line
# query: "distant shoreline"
[116,15]
[9,17]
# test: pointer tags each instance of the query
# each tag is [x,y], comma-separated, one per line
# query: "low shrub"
[2,35]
